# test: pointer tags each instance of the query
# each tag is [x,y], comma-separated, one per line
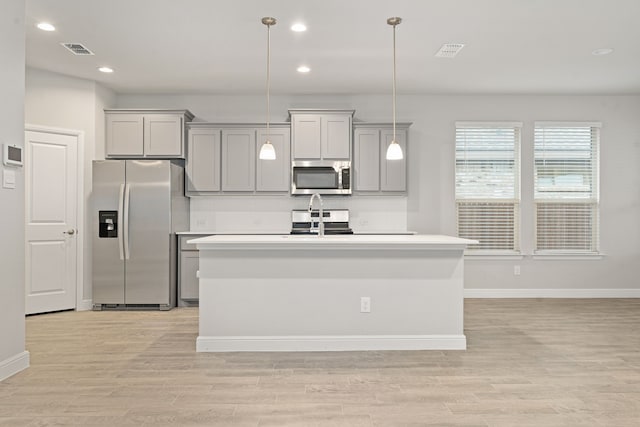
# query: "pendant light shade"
[394,151]
[267,151]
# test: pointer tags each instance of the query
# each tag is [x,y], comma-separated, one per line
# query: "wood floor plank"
[532,362]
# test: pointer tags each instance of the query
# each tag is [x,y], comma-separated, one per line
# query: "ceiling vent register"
[77,48]
[449,50]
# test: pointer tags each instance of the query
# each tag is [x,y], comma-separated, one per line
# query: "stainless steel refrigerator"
[138,206]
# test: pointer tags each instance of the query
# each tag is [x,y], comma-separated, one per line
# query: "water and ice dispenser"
[108,221]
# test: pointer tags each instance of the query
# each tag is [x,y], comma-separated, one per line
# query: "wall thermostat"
[12,155]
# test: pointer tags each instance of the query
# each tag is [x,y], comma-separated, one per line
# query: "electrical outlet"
[365,305]
[516,270]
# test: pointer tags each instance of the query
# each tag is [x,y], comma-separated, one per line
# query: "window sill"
[568,256]
[493,255]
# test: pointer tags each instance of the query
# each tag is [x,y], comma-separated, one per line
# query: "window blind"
[566,193]
[487,184]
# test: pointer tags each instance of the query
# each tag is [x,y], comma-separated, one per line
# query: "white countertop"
[277,233]
[360,241]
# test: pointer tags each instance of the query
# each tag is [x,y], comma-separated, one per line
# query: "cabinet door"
[273,175]
[163,135]
[238,159]
[124,135]
[335,137]
[367,159]
[393,173]
[305,130]
[203,164]
[189,282]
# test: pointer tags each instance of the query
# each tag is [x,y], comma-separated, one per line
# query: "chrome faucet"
[320,213]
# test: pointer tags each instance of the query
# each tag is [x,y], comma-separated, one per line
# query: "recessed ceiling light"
[603,51]
[298,27]
[105,70]
[303,69]
[45,26]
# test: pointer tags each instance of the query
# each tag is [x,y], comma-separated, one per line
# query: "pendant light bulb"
[267,151]
[394,151]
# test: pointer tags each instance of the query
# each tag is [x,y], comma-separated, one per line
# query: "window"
[566,187]
[488,185]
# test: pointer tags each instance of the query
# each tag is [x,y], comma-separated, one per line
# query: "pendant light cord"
[394,84]
[268,75]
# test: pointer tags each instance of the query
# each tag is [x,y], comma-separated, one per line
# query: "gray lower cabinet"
[188,265]
[373,173]
[223,159]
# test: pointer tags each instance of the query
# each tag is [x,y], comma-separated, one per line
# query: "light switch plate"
[8,178]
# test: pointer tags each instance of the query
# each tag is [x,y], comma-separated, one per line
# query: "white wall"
[430,207]
[13,356]
[59,101]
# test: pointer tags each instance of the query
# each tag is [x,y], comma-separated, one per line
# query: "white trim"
[330,343]
[487,124]
[567,124]
[80,211]
[13,365]
[85,305]
[552,293]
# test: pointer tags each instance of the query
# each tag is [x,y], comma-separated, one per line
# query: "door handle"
[70,232]
[120,220]
[127,192]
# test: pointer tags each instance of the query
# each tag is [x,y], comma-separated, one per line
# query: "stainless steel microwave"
[320,176]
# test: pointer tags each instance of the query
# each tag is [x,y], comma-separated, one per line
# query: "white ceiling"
[219,46]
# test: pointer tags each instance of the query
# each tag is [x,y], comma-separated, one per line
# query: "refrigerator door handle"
[127,192]
[120,215]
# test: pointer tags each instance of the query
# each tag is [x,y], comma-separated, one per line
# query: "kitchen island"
[331,293]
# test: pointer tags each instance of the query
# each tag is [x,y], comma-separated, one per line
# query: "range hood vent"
[77,48]
[449,50]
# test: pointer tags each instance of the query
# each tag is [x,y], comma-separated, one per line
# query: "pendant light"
[267,151]
[394,151]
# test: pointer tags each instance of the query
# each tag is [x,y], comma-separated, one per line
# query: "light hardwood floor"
[529,363]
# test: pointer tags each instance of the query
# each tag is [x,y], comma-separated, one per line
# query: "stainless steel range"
[336,221]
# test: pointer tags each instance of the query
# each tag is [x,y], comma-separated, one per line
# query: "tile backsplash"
[272,214]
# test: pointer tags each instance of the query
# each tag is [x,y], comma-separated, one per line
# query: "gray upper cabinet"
[321,134]
[146,133]
[305,130]
[125,135]
[203,163]
[273,175]
[393,173]
[366,151]
[238,159]
[372,171]
[223,159]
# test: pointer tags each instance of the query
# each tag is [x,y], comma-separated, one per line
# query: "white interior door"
[51,221]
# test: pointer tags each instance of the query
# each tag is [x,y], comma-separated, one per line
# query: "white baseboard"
[85,305]
[552,293]
[330,343]
[13,365]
